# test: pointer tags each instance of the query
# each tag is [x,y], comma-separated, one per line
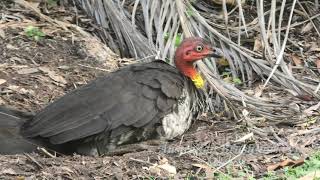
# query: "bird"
[138,102]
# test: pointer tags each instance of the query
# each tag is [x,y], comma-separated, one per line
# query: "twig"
[55,22]
[141,161]
[232,159]
[317,89]
[43,150]
[280,53]
[96,68]
[33,160]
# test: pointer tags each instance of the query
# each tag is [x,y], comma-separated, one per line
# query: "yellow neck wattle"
[198,81]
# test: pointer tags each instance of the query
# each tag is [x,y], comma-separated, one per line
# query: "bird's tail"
[11,142]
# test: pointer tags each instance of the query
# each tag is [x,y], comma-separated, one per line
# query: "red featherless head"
[191,50]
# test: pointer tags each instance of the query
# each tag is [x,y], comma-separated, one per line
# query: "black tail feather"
[10,139]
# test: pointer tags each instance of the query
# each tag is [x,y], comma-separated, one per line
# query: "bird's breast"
[179,120]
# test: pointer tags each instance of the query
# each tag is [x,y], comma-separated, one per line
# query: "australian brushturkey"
[135,103]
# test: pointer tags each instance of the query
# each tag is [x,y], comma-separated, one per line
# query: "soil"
[34,73]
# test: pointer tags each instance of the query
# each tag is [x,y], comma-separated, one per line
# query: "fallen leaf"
[306,28]
[11,47]
[44,69]
[258,91]
[305,97]
[163,165]
[13,87]
[209,171]
[17,59]
[2,101]
[310,110]
[287,162]
[27,71]
[169,168]
[314,49]
[296,60]
[53,75]
[57,78]
[2,34]
[20,178]
[65,168]
[257,45]
[8,171]
[2,81]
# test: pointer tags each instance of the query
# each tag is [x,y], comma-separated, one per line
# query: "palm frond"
[147,28]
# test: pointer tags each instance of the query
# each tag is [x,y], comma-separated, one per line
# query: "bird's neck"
[188,69]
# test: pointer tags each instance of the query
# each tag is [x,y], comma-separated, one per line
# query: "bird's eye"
[199,48]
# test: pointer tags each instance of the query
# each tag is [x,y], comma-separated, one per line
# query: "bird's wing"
[132,96]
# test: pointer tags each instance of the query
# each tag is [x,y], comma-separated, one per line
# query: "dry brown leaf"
[287,162]
[44,69]
[13,87]
[258,90]
[27,71]
[209,171]
[65,168]
[310,110]
[57,78]
[296,60]
[163,165]
[306,28]
[11,47]
[2,81]
[257,45]
[8,171]
[53,75]
[2,34]
[305,97]
[2,101]
[168,167]
[20,178]
[21,90]
[314,48]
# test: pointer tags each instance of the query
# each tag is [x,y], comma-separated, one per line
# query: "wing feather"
[131,97]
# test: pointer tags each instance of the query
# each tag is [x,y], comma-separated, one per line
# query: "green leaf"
[52,2]
[226,74]
[34,32]
[177,41]
[237,81]
[189,12]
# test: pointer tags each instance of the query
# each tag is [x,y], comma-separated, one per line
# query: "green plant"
[309,166]
[34,32]
[52,2]
[189,11]
[177,41]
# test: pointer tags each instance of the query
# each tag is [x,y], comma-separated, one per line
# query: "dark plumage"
[136,103]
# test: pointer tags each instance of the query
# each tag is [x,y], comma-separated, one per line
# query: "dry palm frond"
[148,28]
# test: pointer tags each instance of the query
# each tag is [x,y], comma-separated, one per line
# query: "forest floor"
[37,66]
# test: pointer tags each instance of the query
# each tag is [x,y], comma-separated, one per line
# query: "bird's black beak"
[216,53]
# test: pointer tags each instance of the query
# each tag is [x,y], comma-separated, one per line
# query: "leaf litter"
[35,73]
